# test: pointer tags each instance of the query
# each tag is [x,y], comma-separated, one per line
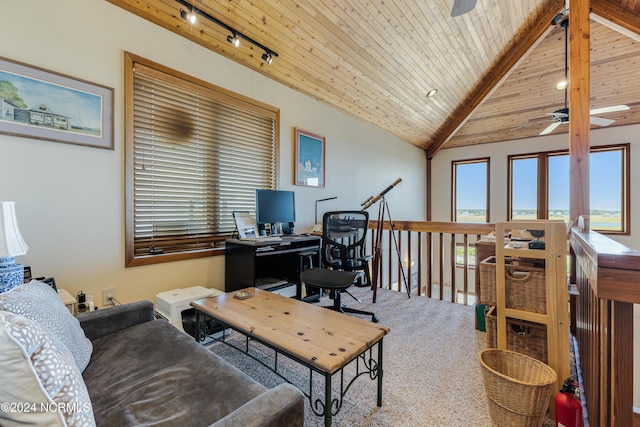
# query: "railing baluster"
[441,265]
[465,273]
[454,261]
[429,264]
[431,256]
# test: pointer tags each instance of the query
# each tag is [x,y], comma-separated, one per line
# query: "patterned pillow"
[41,382]
[39,302]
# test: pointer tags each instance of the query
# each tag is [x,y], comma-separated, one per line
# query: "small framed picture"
[310,159]
[246,224]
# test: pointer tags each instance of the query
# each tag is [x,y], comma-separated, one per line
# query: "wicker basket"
[518,387]
[525,287]
[525,337]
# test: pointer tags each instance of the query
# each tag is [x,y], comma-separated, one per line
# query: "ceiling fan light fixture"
[432,93]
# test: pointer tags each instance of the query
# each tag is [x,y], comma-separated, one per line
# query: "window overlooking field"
[524,188]
[470,201]
[539,187]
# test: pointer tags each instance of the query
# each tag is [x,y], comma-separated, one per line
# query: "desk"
[247,261]
[322,340]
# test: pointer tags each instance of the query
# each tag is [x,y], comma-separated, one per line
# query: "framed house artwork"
[36,103]
[310,159]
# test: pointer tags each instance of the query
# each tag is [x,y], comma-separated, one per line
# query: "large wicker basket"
[518,387]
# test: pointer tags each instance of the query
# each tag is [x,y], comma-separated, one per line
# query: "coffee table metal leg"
[379,373]
[327,400]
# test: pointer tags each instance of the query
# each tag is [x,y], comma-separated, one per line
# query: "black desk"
[248,261]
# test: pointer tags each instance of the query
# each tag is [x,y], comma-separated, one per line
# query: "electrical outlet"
[107,294]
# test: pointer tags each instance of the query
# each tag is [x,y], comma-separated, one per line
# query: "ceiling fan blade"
[460,7]
[600,121]
[610,109]
[550,128]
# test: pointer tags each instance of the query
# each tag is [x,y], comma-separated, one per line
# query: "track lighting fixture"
[188,16]
[235,36]
[234,40]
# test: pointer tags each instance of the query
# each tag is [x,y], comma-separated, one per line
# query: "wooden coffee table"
[323,340]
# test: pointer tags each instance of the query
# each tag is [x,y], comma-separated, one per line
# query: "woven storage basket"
[518,387]
[525,287]
[525,337]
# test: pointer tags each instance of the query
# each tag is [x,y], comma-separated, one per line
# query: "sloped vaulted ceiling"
[494,68]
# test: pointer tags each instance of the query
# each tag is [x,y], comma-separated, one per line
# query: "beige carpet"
[432,376]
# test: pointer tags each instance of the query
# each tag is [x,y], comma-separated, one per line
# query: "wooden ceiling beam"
[616,17]
[497,74]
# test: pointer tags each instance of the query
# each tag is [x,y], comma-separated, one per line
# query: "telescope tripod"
[383,208]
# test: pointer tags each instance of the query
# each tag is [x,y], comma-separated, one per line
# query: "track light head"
[267,57]
[188,16]
[234,40]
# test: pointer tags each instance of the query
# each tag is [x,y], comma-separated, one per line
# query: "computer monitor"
[274,206]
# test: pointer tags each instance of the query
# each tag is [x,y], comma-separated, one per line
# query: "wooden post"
[579,105]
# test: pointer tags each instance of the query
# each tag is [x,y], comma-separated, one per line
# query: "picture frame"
[41,104]
[309,159]
[245,224]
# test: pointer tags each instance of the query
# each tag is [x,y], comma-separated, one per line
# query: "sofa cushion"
[39,302]
[152,374]
[39,377]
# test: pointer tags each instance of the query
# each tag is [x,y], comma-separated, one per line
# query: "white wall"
[70,199]
[441,203]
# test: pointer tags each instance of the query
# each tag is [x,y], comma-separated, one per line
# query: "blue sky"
[605,183]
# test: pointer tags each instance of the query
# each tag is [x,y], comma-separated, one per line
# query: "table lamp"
[11,245]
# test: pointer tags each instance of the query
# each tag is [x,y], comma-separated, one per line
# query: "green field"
[599,220]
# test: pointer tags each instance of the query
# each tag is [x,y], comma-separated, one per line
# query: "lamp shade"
[11,242]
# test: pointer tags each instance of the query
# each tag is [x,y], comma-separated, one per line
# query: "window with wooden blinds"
[195,154]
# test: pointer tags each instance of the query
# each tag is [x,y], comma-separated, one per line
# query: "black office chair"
[343,258]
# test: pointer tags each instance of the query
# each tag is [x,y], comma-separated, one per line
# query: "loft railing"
[607,275]
[438,258]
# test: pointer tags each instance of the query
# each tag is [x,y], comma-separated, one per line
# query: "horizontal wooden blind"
[198,155]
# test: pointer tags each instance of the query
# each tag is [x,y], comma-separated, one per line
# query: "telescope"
[371,200]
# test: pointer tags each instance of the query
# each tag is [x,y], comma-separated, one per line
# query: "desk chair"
[343,258]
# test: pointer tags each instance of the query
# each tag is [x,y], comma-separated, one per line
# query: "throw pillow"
[41,382]
[39,302]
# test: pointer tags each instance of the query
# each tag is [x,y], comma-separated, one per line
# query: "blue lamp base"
[11,274]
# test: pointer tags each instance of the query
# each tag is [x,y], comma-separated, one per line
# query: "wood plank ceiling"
[495,68]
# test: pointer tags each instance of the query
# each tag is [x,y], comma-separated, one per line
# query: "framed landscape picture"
[41,104]
[310,158]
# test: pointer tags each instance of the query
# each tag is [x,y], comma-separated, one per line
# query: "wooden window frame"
[207,93]
[454,164]
[543,182]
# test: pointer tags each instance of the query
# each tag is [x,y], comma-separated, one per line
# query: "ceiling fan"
[460,7]
[562,115]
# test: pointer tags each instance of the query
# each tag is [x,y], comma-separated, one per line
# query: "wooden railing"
[607,275]
[437,258]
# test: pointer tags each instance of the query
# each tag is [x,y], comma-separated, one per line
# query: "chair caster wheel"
[375,319]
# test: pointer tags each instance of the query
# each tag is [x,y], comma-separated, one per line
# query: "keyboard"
[263,239]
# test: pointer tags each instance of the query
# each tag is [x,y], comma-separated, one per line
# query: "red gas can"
[568,406]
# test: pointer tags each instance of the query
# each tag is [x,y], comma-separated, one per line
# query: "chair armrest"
[281,406]
[99,323]
[366,258]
